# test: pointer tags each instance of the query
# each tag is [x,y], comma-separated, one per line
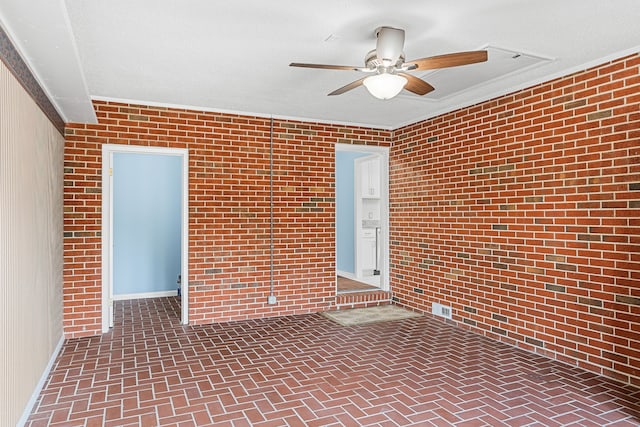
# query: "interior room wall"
[31,150]
[147,224]
[229,214]
[522,213]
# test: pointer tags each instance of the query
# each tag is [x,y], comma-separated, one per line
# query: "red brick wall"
[523,214]
[228,210]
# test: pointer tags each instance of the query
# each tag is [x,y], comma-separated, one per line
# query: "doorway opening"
[362,218]
[144,226]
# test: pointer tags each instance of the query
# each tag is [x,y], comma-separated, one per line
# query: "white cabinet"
[368,251]
[368,255]
[370,178]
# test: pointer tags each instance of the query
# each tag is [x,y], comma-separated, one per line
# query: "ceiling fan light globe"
[384,86]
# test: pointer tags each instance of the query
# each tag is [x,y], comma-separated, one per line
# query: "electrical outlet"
[271,299]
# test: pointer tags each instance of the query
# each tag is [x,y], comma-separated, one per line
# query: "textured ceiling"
[234,56]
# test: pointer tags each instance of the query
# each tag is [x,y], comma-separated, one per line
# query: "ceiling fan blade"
[348,87]
[325,67]
[448,60]
[389,45]
[416,85]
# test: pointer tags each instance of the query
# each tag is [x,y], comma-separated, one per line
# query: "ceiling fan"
[388,71]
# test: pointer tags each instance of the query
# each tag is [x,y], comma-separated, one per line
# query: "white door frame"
[384,200]
[107,225]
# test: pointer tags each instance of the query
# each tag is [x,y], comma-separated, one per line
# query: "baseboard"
[146,295]
[346,274]
[43,379]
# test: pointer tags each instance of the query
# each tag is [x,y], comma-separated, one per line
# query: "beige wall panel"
[31,168]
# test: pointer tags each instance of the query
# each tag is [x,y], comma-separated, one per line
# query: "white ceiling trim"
[83,92]
[307,120]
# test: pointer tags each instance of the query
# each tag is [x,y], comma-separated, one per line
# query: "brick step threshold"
[362,299]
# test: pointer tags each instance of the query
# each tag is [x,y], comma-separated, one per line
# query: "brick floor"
[308,371]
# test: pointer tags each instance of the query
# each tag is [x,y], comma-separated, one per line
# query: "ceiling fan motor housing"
[389,45]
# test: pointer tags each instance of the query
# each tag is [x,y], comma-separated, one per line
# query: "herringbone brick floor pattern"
[308,371]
